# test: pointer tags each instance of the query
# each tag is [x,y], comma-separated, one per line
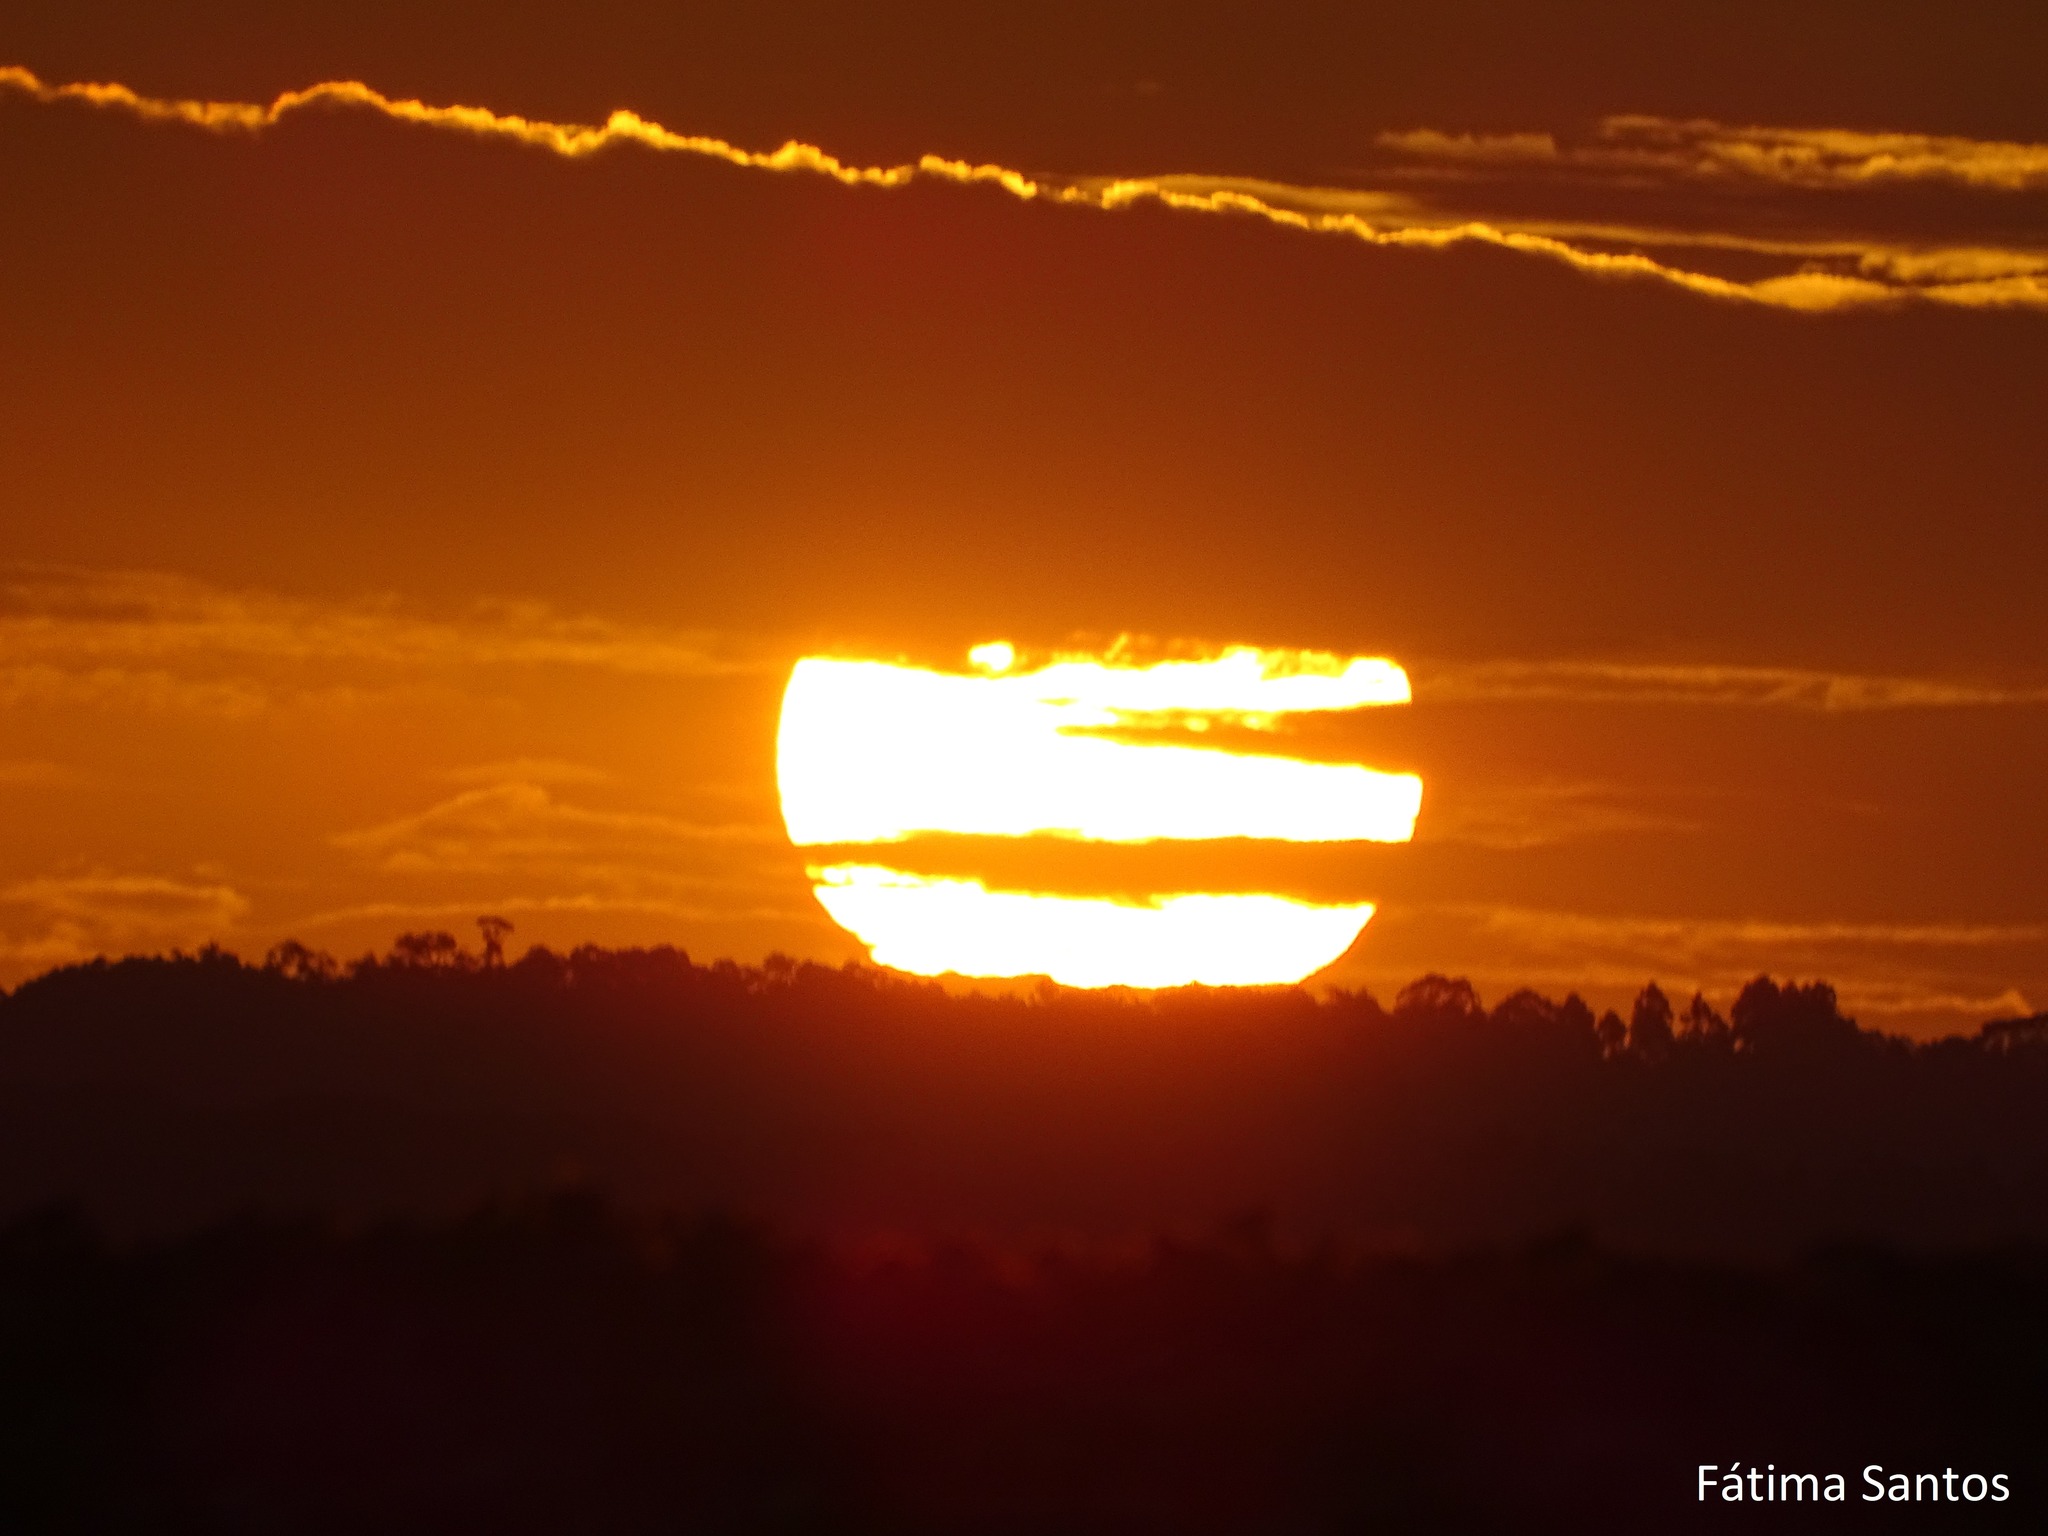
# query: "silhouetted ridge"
[159,1093]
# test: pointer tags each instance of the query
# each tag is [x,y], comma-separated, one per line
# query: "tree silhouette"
[494,930]
[296,962]
[1702,1025]
[1435,999]
[2027,1034]
[1790,1020]
[1528,1017]
[1649,1024]
[426,951]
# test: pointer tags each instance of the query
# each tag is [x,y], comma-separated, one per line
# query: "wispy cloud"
[1639,146]
[130,616]
[516,849]
[150,689]
[1600,682]
[1863,272]
[500,827]
[164,642]
[1705,936]
[53,920]
[517,905]
[1543,815]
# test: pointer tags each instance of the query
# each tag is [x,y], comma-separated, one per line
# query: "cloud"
[54,920]
[151,689]
[156,641]
[1542,815]
[1698,937]
[1463,149]
[1600,682]
[1639,146]
[1869,273]
[521,826]
[581,903]
[129,616]
[538,855]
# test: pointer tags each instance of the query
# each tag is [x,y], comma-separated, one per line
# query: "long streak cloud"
[1837,274]
[1831,158]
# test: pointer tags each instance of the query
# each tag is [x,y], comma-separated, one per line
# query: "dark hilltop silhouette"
[156,1094]
[611,1241]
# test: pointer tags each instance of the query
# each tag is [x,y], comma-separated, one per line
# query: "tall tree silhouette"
[1649,1024]
[495,930]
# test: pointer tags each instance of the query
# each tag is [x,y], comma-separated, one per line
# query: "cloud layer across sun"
[190,763]
[878,753]
[1806,235]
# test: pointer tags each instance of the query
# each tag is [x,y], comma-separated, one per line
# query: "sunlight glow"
[877,752]
[872,752]
[996,656]
[930,926]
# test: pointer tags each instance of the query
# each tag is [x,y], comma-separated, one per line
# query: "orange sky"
[400,525]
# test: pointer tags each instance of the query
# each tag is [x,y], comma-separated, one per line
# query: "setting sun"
[930,926]
[674,858]
[881,753]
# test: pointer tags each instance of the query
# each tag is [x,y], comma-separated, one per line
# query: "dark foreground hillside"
[556,1368]
[156,1095]
[289,1251]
